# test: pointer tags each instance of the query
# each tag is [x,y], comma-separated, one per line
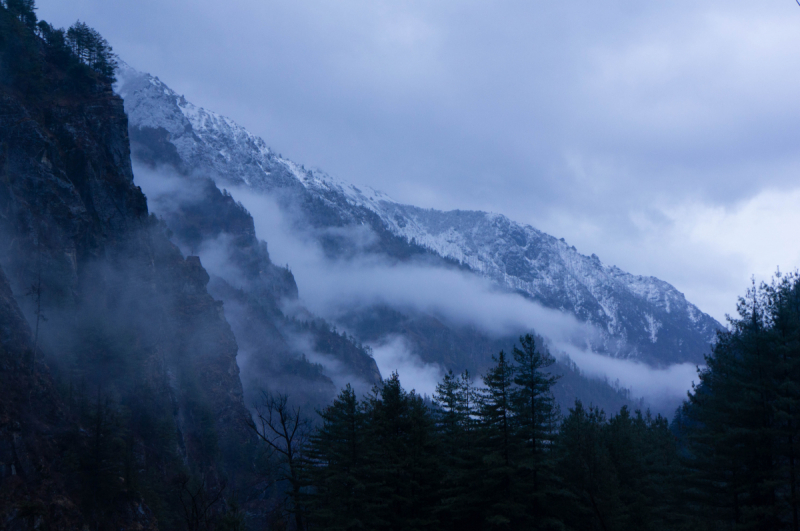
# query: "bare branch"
[286,432]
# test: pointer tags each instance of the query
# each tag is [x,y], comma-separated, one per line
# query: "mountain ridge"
[639,317]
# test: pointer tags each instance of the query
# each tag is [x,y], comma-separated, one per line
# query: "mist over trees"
[495,455]
[502,456]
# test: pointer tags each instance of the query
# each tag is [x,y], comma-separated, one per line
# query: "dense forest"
[499,455]
[492,451]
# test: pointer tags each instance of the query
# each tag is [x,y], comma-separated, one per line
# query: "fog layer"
[331,287]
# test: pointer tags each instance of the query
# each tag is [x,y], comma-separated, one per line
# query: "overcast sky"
[662,136]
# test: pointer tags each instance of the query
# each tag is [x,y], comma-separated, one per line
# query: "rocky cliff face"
[78,230]
[143,355]
[276,350]
[31,413]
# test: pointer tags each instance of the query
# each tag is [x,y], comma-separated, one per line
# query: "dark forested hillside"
[505,458]
[124,379]
[499,455]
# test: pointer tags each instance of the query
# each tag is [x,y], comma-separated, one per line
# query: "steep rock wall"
[125,323]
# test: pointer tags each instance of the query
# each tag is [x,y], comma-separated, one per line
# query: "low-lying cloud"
[334,369]
[663,388]
[261,357]
[165,190]
[330,287]
[394,354]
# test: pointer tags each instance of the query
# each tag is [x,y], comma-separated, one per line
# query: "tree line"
[494,456]
[739,426]
[31,49]
[500,455]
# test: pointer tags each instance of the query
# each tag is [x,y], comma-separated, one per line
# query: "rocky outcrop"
[277,350]
[141,354]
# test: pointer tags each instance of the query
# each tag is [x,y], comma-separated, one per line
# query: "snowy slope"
[651,318]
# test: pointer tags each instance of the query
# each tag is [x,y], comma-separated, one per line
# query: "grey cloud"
[467,90]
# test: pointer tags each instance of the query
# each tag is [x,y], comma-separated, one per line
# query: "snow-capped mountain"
[639,316]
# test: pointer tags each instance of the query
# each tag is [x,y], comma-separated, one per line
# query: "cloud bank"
[662,388]
[329,287]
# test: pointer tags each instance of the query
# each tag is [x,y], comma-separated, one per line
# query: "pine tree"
[24,10]
[661,462]
[782,299]
[424,468]
[500,444]
[451,414]
[92,50]
[618,473]
[732,436]
[535,418]
[337,471]
[402,459]
[460,506]
[591,482]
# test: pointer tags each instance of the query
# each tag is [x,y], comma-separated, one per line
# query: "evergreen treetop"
[92,49]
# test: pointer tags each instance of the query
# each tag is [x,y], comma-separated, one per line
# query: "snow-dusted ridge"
[650,317]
